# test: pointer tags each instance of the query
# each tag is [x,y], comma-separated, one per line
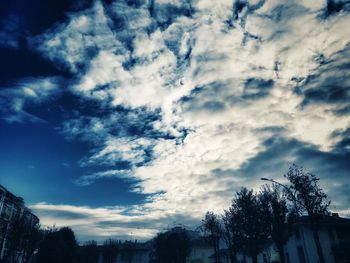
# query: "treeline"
[254,219]
[60,245]
[27,242]
[248,226]
[172,246]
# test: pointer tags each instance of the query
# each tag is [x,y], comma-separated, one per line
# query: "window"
[6,212]
[2,195]
[15,213]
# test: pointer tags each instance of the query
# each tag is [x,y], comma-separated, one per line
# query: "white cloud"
[72,43]
[205,94]
[130,149]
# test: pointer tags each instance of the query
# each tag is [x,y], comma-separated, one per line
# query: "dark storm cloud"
[166,13]
[280,150]
[65,214]
[241,9]
[273,129]
[206,98]
[173,39]
[330,83]
[343,138]
[342,111]
[280,153]
[335,6]
[120,122]
[257,88]
[131,127]
[216,96]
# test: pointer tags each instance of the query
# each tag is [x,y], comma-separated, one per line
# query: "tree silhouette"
[252,223]
[89,252]
[212,230]
[172,246]
[231,233]
[32,236]
[110,250]
[58,246]
[129,250]
[310,199]
[274,205]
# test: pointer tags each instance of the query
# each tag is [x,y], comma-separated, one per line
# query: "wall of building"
[11,207]
[201,254]
[302,243]
[139,256]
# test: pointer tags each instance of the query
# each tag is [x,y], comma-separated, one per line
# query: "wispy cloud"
[11,31]
[105,222]
[26,93]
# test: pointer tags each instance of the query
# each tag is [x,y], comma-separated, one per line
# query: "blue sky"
[120,118]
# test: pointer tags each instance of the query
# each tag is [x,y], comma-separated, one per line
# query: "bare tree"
[310,199]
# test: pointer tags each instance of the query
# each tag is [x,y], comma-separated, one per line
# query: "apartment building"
[11,207]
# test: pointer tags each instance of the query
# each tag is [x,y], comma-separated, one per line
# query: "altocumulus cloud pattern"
[191,100]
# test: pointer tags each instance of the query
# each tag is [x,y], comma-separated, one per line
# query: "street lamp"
[273,181]
[287,189]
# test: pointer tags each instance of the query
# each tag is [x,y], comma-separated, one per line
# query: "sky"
[121,118]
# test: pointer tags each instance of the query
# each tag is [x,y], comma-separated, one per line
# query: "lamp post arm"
[285,187]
